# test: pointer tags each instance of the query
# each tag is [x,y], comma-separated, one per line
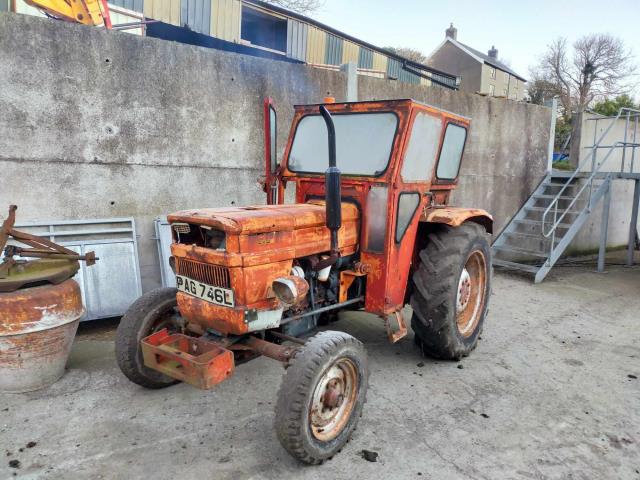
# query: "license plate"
[216,295]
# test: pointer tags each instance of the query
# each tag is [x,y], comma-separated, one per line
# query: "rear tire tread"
[128,338]
[434,285]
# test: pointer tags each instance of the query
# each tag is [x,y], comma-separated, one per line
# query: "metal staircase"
[540,232]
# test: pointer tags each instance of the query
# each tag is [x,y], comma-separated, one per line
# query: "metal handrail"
[554,203]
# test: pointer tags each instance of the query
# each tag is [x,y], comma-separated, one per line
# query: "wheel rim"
[333,400]
[471,293]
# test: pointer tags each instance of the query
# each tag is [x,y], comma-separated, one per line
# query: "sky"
[520,30]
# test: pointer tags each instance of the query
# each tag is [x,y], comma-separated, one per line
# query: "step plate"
[196,361]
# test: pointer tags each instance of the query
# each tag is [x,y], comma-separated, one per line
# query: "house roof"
[481,57]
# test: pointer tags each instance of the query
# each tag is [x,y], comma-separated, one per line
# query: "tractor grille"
[214,275]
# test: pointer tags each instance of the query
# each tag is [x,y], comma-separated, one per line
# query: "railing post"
[553,232]
[594,149]
[633,150]
[604,226]
[552,131]
[624,147]
[633,226]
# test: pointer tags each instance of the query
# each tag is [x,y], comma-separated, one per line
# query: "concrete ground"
[551,392]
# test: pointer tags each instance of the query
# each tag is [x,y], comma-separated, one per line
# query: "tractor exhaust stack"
[333,194]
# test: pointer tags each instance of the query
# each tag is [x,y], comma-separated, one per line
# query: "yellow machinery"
[86,12]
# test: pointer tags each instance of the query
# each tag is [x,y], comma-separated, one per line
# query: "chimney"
[493,53]
[451,32]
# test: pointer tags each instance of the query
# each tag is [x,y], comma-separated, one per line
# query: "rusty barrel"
[37,327]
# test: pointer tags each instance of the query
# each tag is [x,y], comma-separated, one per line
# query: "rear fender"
[456,216]
[432,218]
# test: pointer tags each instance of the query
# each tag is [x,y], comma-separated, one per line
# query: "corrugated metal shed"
[365,58]
[196,14]
[297,33]
[167,11]
[333,53]
[446,80]
[225,19]
[350,52]
[395,70]
[316,45]
[380,62]
[120,15]
[135,5]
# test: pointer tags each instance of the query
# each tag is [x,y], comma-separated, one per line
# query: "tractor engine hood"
[263,218]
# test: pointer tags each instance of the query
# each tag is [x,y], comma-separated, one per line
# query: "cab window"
[451,152]
[422,148]
[363,143]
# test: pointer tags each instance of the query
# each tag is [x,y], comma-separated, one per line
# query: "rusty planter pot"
[37,327]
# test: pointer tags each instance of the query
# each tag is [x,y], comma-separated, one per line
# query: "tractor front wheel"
[451,289]
[151,313]
[321,397]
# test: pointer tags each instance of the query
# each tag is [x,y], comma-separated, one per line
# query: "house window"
[492,71]
[492,90]
[505,93]
[515,83]
[264,30]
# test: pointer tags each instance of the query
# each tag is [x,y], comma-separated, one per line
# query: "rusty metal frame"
[107,234]
[394,334]
[206,361]
[40,247]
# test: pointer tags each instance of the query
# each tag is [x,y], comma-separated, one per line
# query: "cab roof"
[396,101]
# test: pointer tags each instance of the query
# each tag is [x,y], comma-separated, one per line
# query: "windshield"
[363,143]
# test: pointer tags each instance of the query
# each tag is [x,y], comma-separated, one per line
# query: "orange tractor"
[370,230]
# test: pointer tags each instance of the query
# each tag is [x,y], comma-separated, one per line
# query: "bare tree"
[599,66]
[408,53]
[304,7]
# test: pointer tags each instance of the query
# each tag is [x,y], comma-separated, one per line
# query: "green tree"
[540,90]
[611,107]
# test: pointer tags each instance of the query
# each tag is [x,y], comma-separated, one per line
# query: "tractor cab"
[399,161]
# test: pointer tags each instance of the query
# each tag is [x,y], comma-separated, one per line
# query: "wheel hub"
[464,291]
[333,396]
[470,296]
[333,400]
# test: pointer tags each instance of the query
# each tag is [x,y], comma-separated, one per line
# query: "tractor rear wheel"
[321,396]
[451,290]
[152,312]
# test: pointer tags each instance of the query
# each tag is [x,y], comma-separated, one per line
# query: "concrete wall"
[622,190]
[594,126]
[96,124]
